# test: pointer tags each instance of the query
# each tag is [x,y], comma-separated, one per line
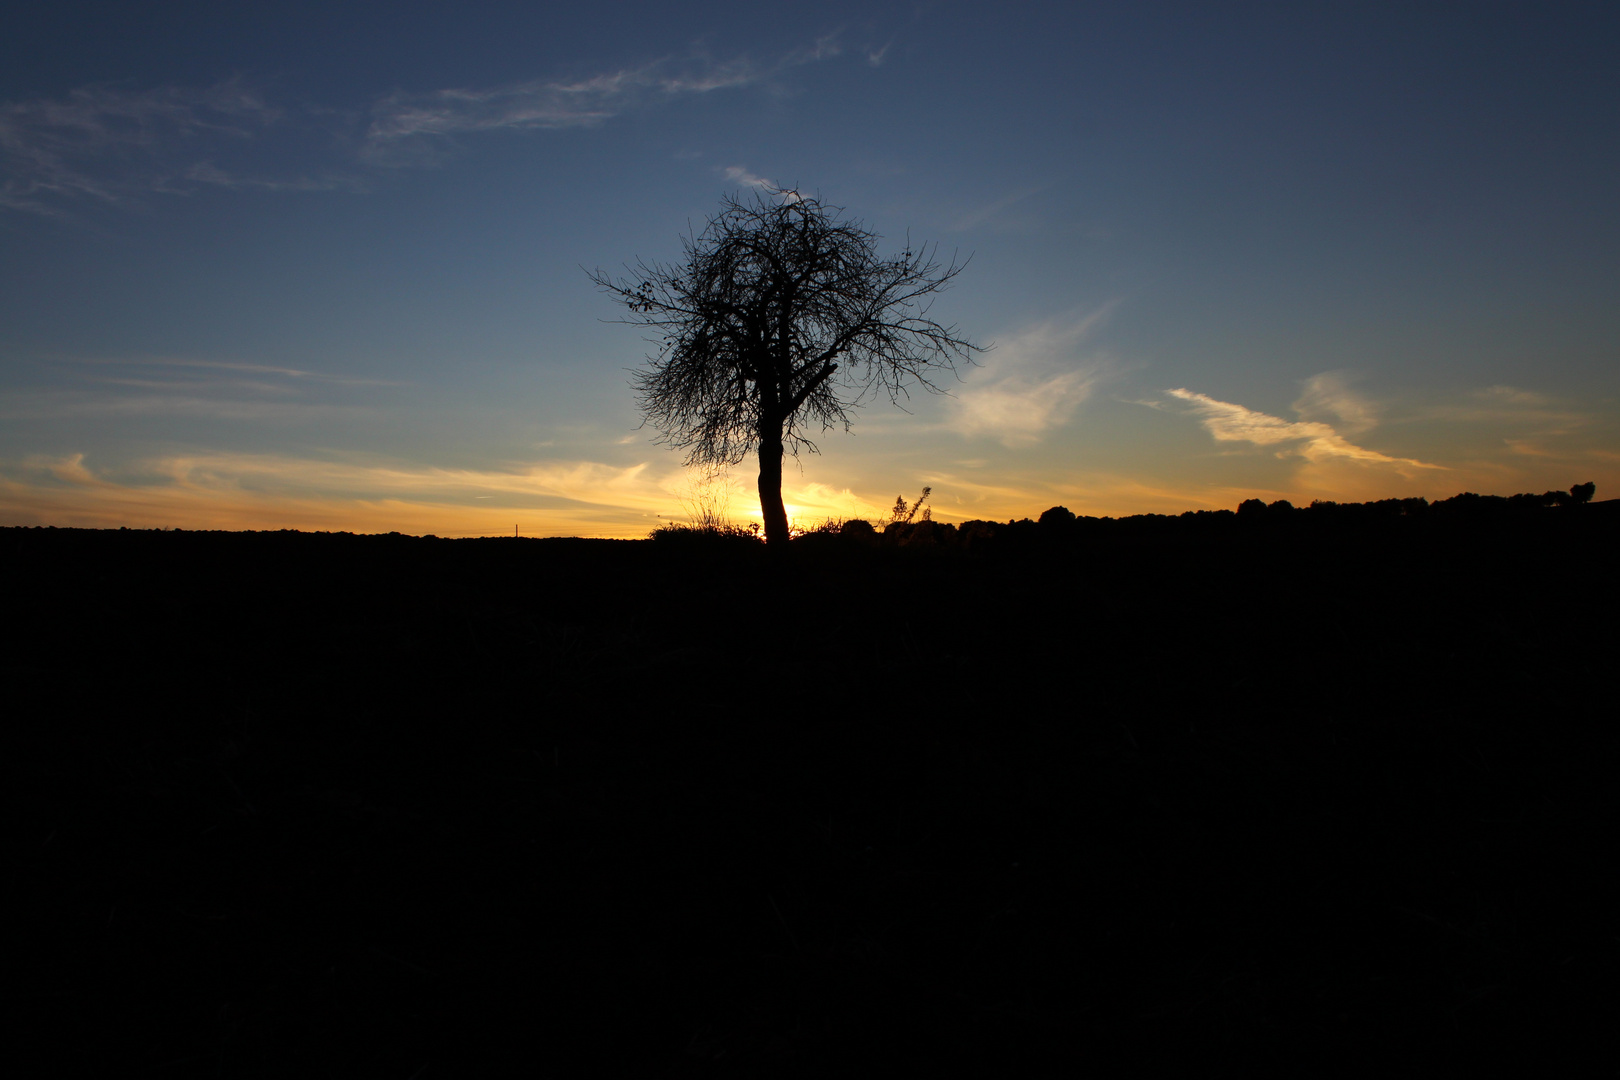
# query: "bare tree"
[781,316]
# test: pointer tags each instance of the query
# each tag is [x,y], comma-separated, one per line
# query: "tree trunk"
[770,487]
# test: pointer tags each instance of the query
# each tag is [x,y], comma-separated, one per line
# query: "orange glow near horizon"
[244,493]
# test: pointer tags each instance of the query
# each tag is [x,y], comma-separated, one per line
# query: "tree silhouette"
[781,315]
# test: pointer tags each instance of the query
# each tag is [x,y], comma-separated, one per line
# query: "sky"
[325,266]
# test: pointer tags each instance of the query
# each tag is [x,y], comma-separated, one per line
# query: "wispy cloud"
[1312,440]
[239,366]
[365,493]
[740,176]
[107,143]
[1530,425]
[824,48]
[402,122]
[247,491]
[190,388]
[1002,493]
[206,172]
[1031,383]
[1328,397]
[969,219]
[1513,405]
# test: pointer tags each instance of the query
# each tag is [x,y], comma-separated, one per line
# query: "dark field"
[1303,789]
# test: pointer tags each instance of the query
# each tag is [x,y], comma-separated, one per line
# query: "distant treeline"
[1060,522]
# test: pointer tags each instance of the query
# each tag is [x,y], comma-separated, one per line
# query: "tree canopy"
[780,319]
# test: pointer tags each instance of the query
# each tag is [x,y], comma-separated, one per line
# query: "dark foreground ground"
[1228,793]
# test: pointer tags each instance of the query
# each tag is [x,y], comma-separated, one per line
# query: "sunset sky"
[323,266]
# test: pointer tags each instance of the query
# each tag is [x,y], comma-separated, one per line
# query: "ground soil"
[1244,793]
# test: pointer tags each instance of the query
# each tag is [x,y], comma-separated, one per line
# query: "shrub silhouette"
[1056,518]
[976,532]
[859,528]
[678,532]
[904,514]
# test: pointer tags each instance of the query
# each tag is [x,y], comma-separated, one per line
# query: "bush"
[1056,518]
[699,534]
[859,528]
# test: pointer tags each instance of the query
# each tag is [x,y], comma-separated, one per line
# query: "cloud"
[402,119]
[740,176]
[1019,493]
[1538,431]
[1510,404]
[1328,396]
[525,105]
[812,503]
[970,219]
[874,57]
[175,404]
[105,142]
[236,365]
[825,48]
[1499,439]
[1314,441]
[1511,395]
[1030,384]
[247,491]
[199,389]
[206,172]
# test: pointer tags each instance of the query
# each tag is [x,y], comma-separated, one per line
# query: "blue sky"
[267,266]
